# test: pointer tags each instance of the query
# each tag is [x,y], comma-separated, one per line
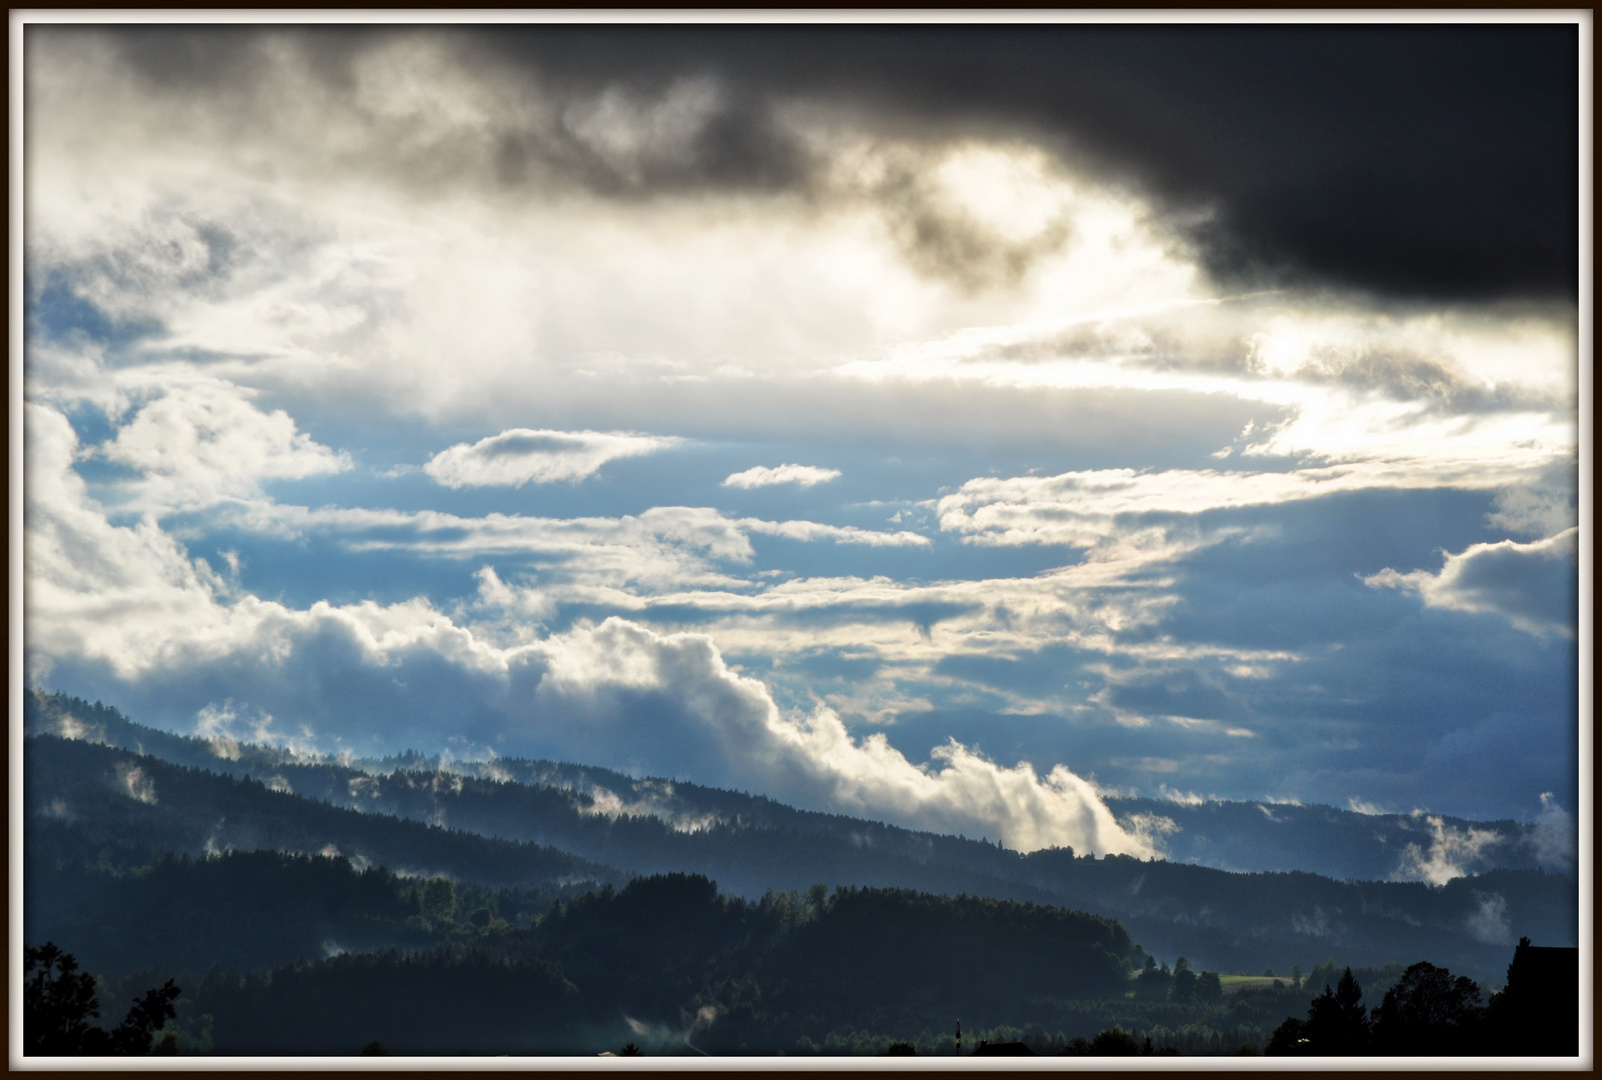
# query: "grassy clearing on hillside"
[1235,983]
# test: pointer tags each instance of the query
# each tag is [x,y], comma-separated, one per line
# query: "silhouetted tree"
[1290,1039]
[1429,1012]
[1337,1021]
[1152,983]
[59,1000]
[375,1049]
[901,1049]
[57,1003]
[1114,1042]
[1183,990]
[630,1050]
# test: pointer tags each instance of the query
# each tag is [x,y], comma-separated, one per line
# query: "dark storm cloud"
[1439,161]
[1430,162]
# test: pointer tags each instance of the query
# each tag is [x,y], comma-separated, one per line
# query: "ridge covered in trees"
[751,845]
[275,905]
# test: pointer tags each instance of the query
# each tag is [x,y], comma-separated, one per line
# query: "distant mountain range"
[95,780]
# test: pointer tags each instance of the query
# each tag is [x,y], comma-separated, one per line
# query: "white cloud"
[1535,509]
[70,727]
[732,726]
[1080,508]
[97,590]
[1554,836]
[1532,585]
[762,476]
[840,534]
[524,455]
[134,783]
[1452,853]
[664,547]
[1489,921]
[203,442]
[130,599]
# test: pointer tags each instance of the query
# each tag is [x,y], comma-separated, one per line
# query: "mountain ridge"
[1230,921]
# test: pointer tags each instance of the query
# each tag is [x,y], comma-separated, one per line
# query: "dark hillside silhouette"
[677,955]
[143,807]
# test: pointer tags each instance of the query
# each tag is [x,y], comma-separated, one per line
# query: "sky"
[952,425]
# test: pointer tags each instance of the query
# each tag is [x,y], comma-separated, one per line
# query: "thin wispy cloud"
[522,456]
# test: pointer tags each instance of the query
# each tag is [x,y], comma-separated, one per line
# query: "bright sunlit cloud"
[762,476]
[521,456]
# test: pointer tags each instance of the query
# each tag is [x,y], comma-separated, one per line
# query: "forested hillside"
[669,958]
[1240,836]
[312,906]
[511,828]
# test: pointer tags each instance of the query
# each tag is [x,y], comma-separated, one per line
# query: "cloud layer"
[1398,188]
[393,388]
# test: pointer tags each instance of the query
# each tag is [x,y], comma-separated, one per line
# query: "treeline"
[671,963]
[1428,1011]
[136,808]
[668,959]
[249,910]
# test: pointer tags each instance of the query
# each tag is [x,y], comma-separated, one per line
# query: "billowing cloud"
[201,443]
[1450,853]
[737,731]
[1554,836]
[590,688]
[762,476]
[91,584]
[619,694]
[1534,586]
[522,455]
